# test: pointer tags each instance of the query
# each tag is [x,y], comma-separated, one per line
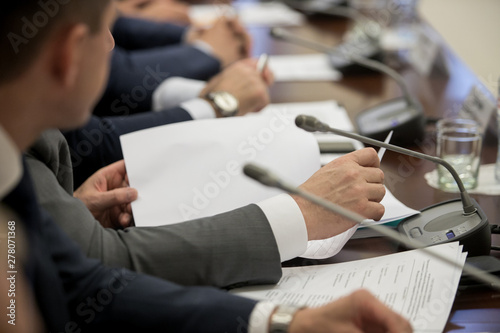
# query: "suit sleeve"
[97,144]
[133,33]
[134,75]
[77,294]
[231,249]
[103,299]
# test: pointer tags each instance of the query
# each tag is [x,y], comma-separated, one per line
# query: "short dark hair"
[25,25]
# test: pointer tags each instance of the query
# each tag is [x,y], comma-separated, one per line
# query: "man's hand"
[358,312]
[353,181]
[245,83]
[227,37]
[156,10]
[107,195]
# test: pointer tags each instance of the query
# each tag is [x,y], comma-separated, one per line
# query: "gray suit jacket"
[231,249]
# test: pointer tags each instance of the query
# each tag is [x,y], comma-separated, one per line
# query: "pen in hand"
[382,150]
[262,63]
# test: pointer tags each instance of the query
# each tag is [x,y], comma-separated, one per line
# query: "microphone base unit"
[406,120]
[446,222]
[346,66]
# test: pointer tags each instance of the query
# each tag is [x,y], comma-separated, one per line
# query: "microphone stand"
[311,124]
[413,127]
[437,222]
[266,178]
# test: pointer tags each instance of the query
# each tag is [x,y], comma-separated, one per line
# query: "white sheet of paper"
[303,67]
[270,14]
[193,169]
[176,186]
[412,283]
[329,112]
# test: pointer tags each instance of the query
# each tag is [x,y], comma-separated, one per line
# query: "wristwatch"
[225,103]
[282,317]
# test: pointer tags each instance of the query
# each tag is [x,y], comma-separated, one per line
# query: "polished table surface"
[474,310]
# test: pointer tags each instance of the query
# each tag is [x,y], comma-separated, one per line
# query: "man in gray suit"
[244,246]
[64,71]
[235,248]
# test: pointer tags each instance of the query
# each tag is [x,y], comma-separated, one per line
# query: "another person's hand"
[107,195]
[245,83]
[353,181]
[227,37]
[156,10]
[358,312]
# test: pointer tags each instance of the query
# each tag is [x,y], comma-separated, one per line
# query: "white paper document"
[328,112]
[303,67]
[414,284]
[257,14]
[193,169]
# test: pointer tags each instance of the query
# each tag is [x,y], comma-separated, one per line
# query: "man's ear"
[68,52]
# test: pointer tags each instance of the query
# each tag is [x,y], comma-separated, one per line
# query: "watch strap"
[211,96]
[282,317]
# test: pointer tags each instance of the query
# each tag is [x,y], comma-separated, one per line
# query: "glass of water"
[459,142]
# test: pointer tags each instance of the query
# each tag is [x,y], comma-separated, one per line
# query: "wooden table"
[473,310]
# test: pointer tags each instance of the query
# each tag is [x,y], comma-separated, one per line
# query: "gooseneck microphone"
[312,124]
[269,179]
[282,34]
[461,220]
[376,122]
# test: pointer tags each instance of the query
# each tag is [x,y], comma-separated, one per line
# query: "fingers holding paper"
[107,195]
[353,181]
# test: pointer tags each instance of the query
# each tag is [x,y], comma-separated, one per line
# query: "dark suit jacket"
[146,54]
[72,290]
[234,248]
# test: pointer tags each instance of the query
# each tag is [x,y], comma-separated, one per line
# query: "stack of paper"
[258,14]
[303,67]
[329,112]
[416,285]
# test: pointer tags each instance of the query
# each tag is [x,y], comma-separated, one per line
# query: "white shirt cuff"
[288,225]
[199,108]
[259,318]
[203,47]
[174,91]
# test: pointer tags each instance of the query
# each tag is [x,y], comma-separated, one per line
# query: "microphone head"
[308,123]
[260,174]
[278,33]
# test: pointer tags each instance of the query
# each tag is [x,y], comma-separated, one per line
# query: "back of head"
[26,24]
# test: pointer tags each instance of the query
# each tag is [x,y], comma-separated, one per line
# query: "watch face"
[225,101]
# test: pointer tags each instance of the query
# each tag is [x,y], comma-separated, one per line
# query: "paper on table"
[412,283]
[193,169]
[260,14]
[306,67]
[326,248]
[329,112]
